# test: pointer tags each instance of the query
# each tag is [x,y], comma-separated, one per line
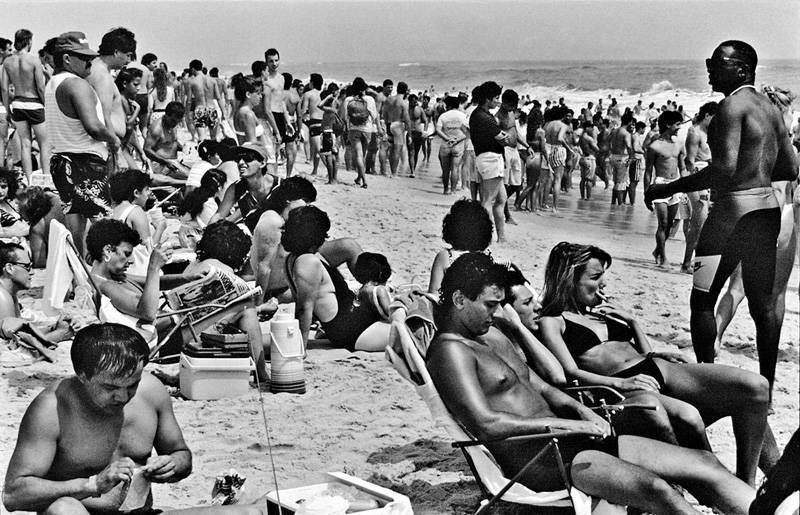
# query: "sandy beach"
[359,416]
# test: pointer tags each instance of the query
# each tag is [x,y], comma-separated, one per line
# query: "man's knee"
[66,506]
[755,388]
[689,418]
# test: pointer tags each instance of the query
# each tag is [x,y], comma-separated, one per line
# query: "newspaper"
[218,287]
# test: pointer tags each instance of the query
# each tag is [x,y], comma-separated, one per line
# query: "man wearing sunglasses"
[15,276]
[80,140]
[750,147]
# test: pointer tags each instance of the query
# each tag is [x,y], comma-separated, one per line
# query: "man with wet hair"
[750,148]
[87,438]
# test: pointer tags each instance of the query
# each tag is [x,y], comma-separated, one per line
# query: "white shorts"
[513,167]
[490,166]
[670,201]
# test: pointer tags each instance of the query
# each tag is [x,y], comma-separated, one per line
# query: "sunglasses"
[26,266]
[247,157]
[82,57]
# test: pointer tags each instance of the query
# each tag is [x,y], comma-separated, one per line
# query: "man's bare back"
[395,109]
[764,144]
[197,91]
[554,132]
[24,71]
[620,141]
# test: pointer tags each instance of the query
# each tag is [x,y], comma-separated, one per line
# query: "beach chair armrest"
[531,437]
[615,395]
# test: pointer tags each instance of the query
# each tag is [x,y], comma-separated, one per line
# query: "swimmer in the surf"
[750,148]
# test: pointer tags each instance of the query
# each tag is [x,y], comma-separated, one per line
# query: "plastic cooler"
[389,502]
[212,373]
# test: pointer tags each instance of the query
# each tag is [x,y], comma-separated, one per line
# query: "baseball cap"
[253,148]
[74,43]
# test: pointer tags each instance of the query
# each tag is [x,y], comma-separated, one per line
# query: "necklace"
[743,86]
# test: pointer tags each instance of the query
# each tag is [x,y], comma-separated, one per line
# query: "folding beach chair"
[406,358]
[66,271]
[193,320]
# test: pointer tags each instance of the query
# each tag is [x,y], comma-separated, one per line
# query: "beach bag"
[357,112]
[337,125]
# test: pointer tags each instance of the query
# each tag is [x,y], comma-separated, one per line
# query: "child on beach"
[373,271]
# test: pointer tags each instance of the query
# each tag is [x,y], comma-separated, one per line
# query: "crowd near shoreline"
[133,184]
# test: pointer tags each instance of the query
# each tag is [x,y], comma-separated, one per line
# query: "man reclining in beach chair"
[15,276]
[493,395]
[222,251]
[86,442]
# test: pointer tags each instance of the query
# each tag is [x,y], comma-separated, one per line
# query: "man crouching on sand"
[493,394]
[85,443]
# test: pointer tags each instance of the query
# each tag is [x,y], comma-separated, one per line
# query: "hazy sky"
[230,32]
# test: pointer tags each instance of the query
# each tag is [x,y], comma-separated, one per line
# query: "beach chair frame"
[190,330]
[410,364]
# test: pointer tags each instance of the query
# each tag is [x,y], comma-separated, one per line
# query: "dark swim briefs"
[24,109]
[314,127]
[646,366]
[742,226]
[280,121]
[82,183]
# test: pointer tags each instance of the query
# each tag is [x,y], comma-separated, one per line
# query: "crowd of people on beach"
[96,143]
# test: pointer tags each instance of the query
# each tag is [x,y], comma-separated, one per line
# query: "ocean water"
[577,81]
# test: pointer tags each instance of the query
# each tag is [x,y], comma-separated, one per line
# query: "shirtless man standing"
[199,101]
[395,116]
[24,72]
[621,146]
[384,143]
[117,48]
[588,160]
[750,148]
[311,114]
[85,440]
[698,156]
[274,108]
[491,391]
[558,147]
[291,101]
[666,156]
[161,147]
[637,164]
[6,50]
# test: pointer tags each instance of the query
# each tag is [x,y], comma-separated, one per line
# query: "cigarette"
[602,296]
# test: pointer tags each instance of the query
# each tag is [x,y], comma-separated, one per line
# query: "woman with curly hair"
[321,292]
[466,228]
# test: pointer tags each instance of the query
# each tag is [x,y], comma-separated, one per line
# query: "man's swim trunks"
[328,143]
[619,168]
[280,121]
[588,166]
[742,226]
[82,184]
[205,116]
[670,201]
[490,166]
[24,109]
[314,127]
[636,168]
[557,155]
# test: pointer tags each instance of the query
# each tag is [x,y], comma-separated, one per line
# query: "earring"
[106,258]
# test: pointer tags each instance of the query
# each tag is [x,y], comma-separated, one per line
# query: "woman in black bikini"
[320,290]
[598,343]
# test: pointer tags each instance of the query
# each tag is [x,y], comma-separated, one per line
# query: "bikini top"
[580,338]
